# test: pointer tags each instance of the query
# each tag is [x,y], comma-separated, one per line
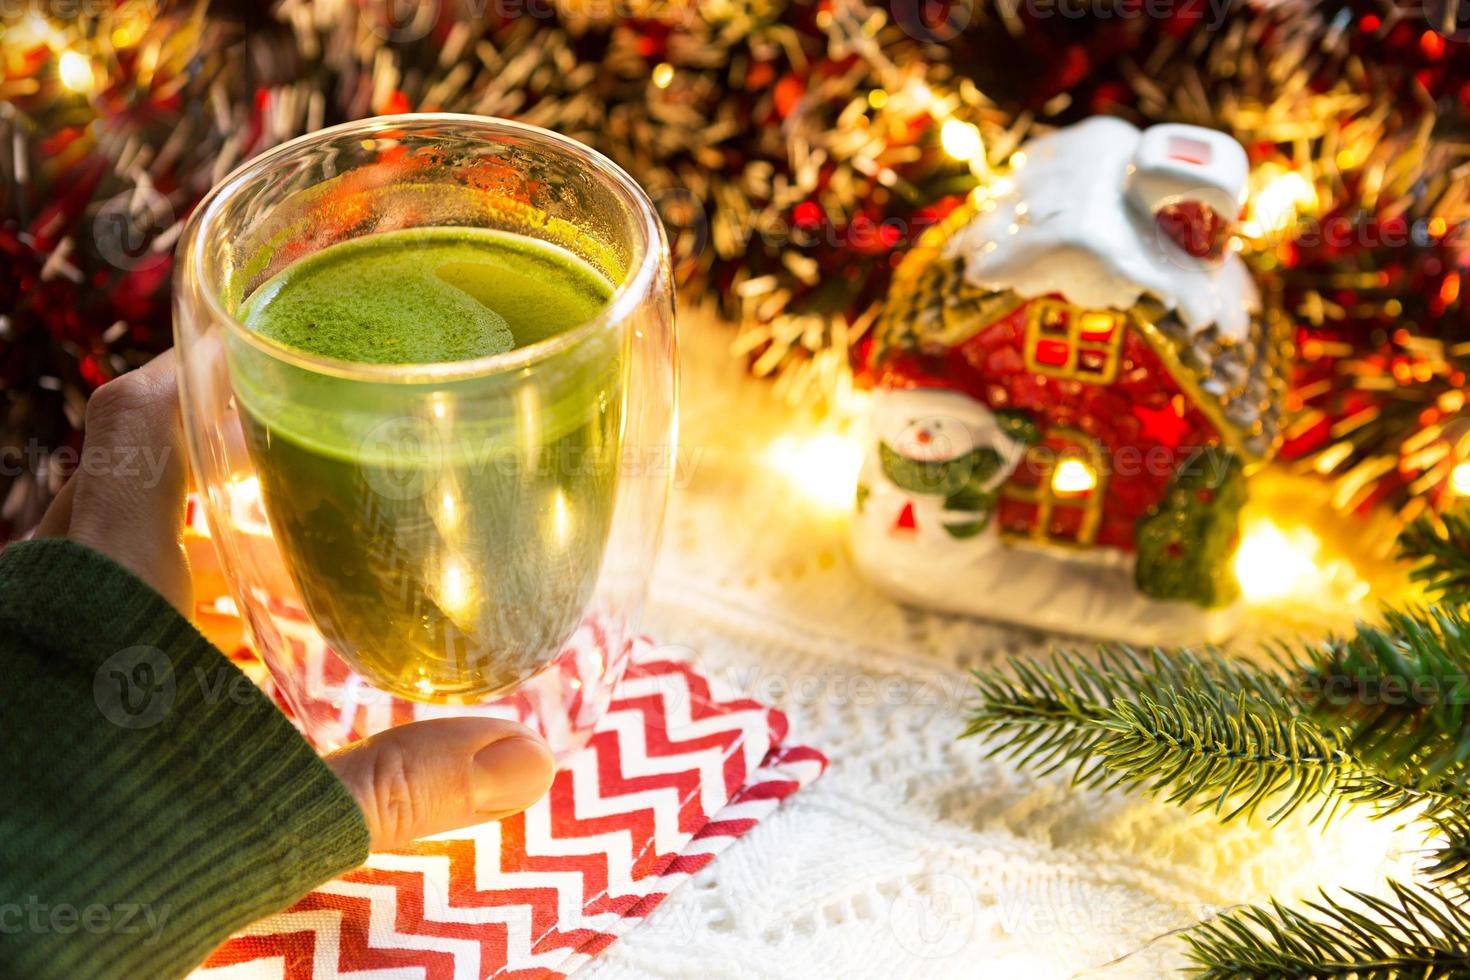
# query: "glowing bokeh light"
[823,468]
[76,72]
[1460,479]
[1273,563]
[960,140]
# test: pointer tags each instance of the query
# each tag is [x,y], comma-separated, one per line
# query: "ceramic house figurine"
[1073,380]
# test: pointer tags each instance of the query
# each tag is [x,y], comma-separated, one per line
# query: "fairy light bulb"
[823,467]
[76,72]
[1274,208]
[128,33]
[1272,564]
[1460,479]
[960,139]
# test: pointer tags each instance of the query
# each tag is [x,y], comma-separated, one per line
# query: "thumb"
[432,776]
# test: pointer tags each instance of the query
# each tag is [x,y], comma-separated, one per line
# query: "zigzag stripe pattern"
[671,777]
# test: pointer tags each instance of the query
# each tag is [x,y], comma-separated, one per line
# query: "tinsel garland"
[795,149]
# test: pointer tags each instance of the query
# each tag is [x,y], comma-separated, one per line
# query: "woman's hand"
[410,781]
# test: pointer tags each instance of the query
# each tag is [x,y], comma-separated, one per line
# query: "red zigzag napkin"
[670,778]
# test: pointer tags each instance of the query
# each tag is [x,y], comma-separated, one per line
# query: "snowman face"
[935,426]
[933,438]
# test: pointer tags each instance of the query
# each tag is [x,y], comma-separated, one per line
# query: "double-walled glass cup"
[416,540]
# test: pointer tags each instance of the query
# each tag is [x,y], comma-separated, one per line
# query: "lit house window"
[1067,342]
[1056,493]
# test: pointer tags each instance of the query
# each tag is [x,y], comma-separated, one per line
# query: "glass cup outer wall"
[422,170]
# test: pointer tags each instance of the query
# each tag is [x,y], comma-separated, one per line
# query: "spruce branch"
[1377,717]
[1440,548]
[1417,932]
[1196,749]
[1197,728]
[1047,714]
[1448,864]
[1398,694]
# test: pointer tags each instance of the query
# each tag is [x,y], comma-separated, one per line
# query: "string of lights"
[796,150]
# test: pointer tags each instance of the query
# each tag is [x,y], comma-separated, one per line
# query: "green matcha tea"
[445,535]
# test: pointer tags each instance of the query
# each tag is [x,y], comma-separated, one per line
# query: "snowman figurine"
[940,459]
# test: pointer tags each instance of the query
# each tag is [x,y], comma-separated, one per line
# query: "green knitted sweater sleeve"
[151,799]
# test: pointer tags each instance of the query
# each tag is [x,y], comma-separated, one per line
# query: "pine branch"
[1379,717]
[1398,694]
[1198,750]
[1198,729]
[1043,715]
[1448,866]
[1441,551]
[1239,757]
[1417,932]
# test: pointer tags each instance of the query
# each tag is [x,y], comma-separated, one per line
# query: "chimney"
[1191,181]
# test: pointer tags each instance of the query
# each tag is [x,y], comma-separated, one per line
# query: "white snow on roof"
[1066,227]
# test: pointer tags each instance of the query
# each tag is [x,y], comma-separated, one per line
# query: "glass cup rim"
[648,247]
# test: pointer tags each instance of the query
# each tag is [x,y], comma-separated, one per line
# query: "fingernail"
[511,774]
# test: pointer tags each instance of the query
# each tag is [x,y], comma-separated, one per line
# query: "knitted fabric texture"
[154,799]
